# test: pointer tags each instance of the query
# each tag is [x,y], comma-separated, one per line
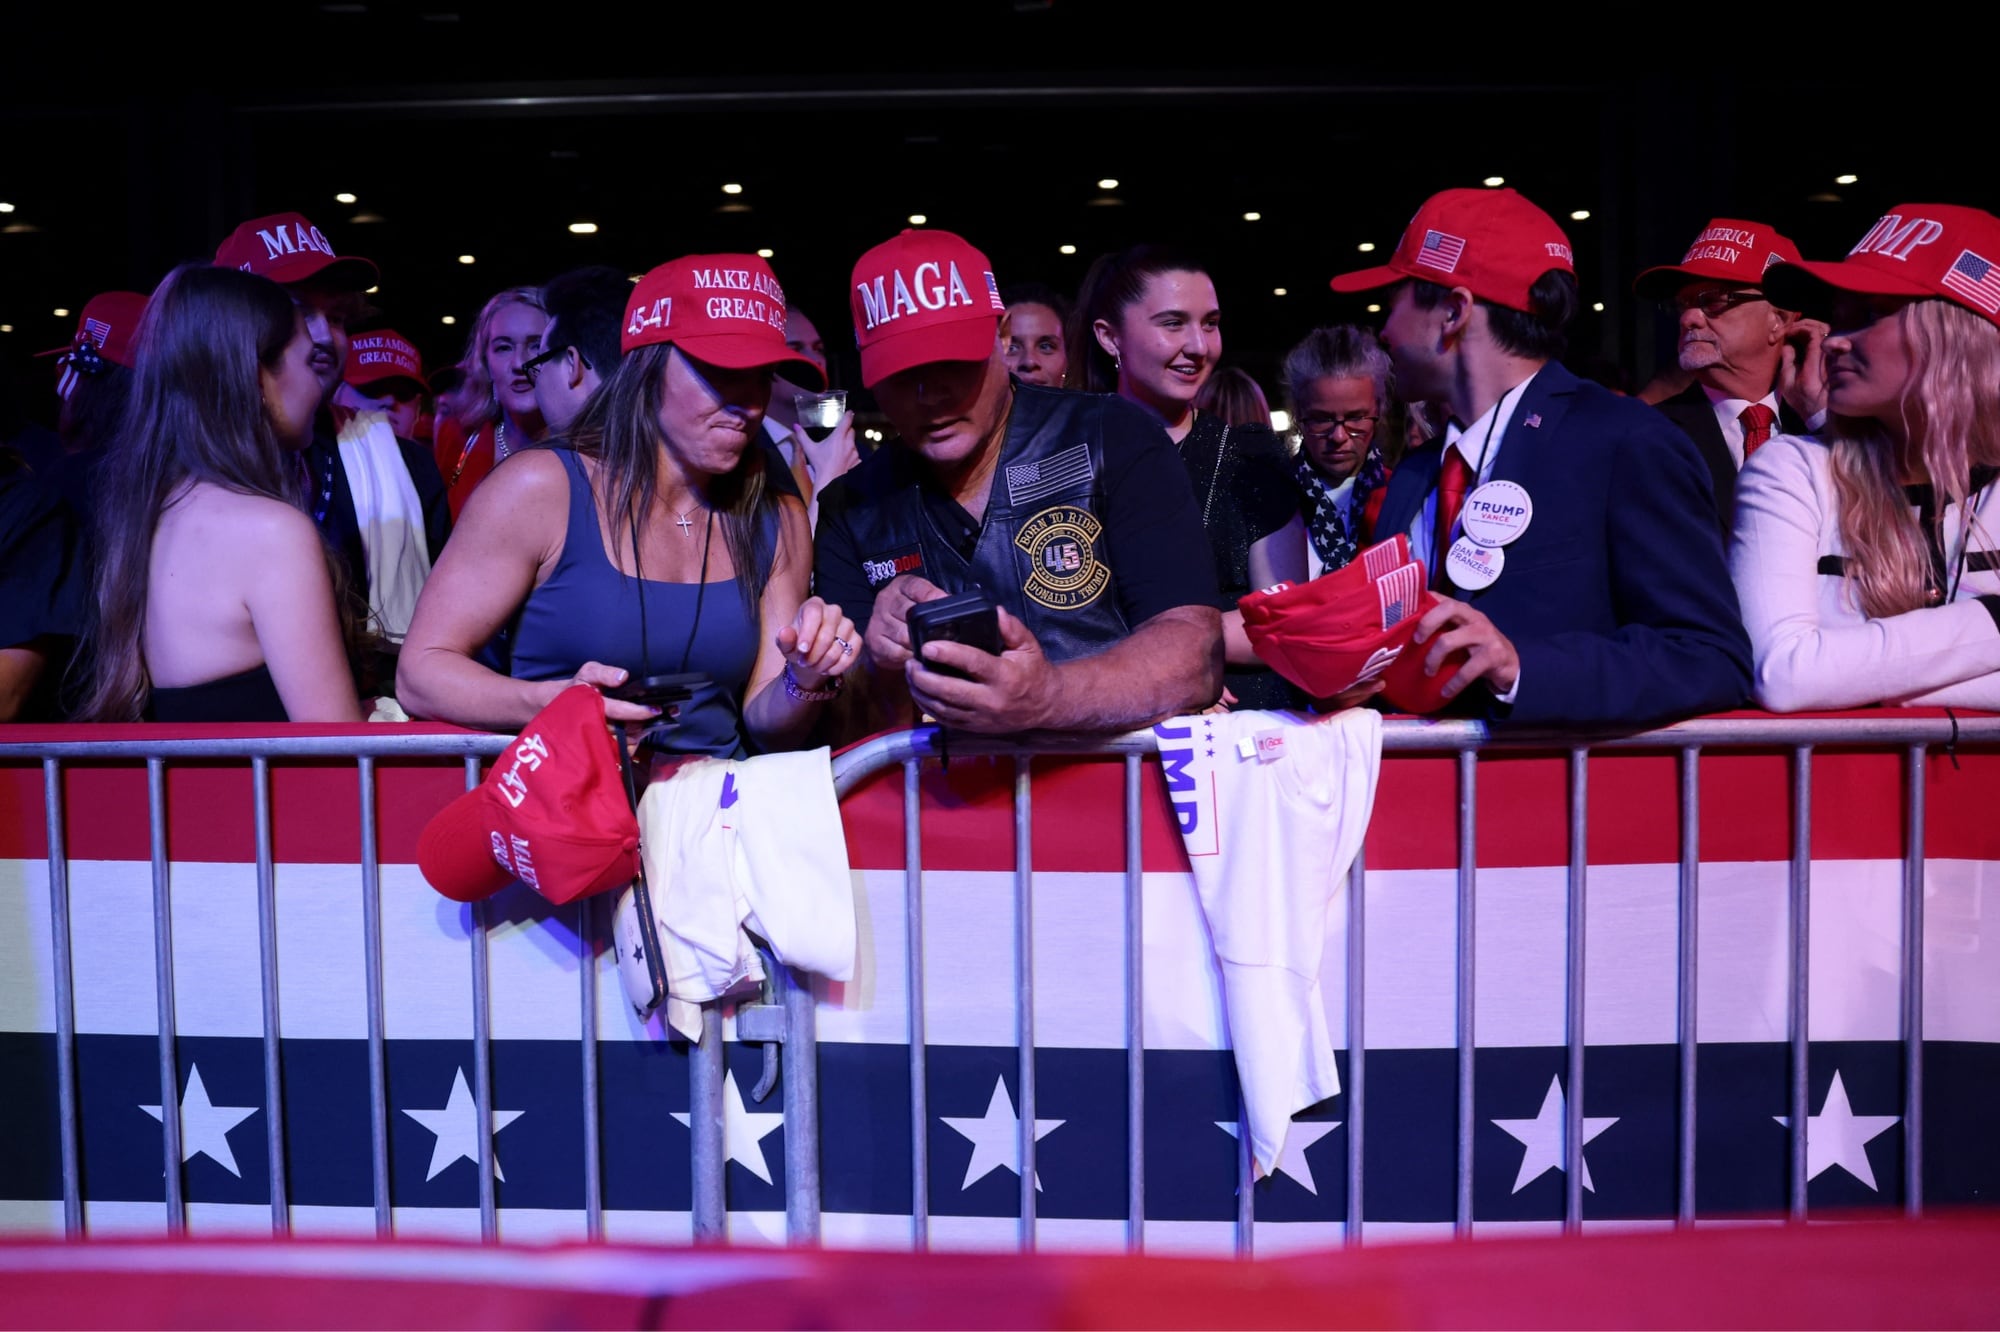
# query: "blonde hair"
[482,405]
[1950,410]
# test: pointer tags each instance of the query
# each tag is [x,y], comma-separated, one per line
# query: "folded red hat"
[1494,243]
[552,813]
[923,296]
[1728,250]
[1941,250]
[1338,630]
[725,309]
[286,249]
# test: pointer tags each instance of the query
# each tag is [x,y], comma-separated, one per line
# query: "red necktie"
[1454,479]
[1757,420]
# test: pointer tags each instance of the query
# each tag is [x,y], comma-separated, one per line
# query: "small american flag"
[1441,251]
[1380,558]
[1975,279]
[97,330]
[1399,591]
[993,292]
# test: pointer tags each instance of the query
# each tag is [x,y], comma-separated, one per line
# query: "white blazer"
[1813,645]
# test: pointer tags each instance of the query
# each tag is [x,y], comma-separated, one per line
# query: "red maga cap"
[724,309]
[383,354]
[1940,250]
[286,248]
[923,296]
[1330,634]
[552,813]
[1728,250]
[1494,243]
[107,323]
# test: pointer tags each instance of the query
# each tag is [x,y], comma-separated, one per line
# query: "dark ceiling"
[487,130]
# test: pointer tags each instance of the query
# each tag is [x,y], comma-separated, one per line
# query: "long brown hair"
[1113,282]
[196,414]
[1951,417]
[620,428]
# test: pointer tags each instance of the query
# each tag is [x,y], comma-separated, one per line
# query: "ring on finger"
[845,646]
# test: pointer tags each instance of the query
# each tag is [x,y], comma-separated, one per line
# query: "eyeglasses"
[1715,304]
[532,367]
[1356,424]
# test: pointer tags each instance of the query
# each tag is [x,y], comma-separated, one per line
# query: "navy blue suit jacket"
[1617,597]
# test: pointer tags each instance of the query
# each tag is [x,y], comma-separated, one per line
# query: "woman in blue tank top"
[648,542]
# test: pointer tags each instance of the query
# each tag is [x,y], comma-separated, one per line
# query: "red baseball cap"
[1728,250]
[107,323]
[383,354]
[1494,243]
[552,813]
[1941,250]
[923,296]
[286,248]
[1332,633]
[725,309]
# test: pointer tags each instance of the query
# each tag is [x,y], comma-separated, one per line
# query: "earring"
[1116,364]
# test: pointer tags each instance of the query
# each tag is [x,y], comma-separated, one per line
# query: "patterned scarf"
[1333,518]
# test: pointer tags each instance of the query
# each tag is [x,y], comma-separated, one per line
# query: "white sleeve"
[1804,664]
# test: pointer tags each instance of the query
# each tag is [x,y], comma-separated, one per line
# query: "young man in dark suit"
[1570,531]
[1756,367]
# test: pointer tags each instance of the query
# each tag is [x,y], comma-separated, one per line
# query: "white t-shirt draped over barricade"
[739,846]
[391,519]
[1273,807]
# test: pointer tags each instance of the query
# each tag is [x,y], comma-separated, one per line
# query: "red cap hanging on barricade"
[1494,243]
[923,296]
[552,813]
[1727,250]
[724,309]
[1940,250]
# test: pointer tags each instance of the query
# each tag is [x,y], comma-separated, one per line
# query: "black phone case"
[966,617]
[658,689]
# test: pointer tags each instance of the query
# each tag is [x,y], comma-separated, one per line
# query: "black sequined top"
[1243,487]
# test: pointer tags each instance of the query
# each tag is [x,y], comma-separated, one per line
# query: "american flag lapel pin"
[1533,421]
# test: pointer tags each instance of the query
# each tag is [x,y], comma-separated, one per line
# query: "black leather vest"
[1042,550]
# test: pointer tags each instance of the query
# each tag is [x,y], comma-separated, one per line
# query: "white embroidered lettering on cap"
[1472,566]
[659,315]
[293,239]
[1496,513]
[1895,238]
[932,286]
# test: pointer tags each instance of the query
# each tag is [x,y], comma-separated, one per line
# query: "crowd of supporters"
[256,511]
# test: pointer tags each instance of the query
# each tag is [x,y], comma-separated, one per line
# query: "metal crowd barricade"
[1466,741]
[785,1017]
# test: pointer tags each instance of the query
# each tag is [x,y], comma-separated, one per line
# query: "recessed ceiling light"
[1494,182]
[372,290]
[1253,217]
[365,219]
[1580,215]
[1847,180]
[19,229]
[1599,307]
[6,208]
[61,313]
[732,188]
[466,259]
[765,254]
[448,319]
[1066,249]
[583,228]
[345,198]
[1374,309]
[6,328]
[1366,247]
[1107,184]
[918,219]
[1277,291]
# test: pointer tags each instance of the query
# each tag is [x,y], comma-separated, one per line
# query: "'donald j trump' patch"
[1064,572]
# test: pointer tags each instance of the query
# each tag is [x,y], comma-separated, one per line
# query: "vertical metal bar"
[267,945]
[1135,1016]
[593,1127]
[371,947]
[913,950]
[482,1054]
[705,1079]
[1024,987]
[802,1175]
[65,999]
[1468,882]
[1246,1183]
[1689,949]
[1801,995]
[163,975]
[1579,807]
[1913,989]
[1357,1044]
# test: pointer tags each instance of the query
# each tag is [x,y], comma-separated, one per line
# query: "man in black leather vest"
[1070,511]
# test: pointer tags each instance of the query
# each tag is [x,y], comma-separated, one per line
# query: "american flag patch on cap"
[1379,559]
[96,330]
[1975,279]
[1440,250]
[993,292]
[1399,590]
